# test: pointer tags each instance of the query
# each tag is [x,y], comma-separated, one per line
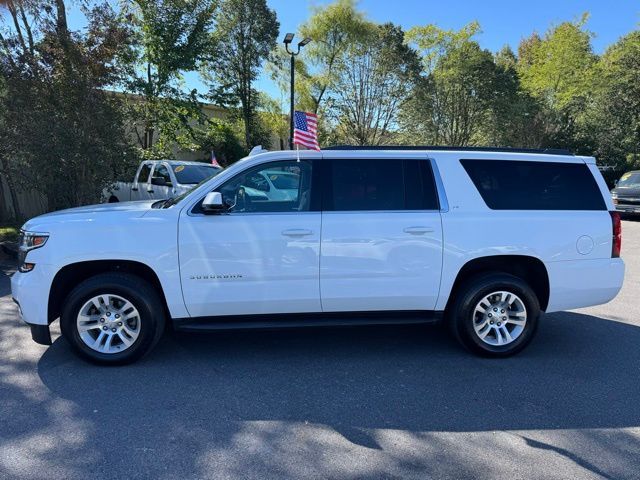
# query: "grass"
[8,233]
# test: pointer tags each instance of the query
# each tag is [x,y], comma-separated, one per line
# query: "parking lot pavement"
[332,403]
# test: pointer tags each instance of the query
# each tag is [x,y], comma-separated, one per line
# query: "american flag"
[305,131]
[214,160]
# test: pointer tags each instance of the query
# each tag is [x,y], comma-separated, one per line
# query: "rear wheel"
[112,318]
[495,315]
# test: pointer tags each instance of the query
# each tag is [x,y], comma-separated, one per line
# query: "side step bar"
[301,320]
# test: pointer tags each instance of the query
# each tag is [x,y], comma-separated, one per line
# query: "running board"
[301,320]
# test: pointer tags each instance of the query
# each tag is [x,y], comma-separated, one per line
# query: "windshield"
[193,174]
[284,181]
[630,180]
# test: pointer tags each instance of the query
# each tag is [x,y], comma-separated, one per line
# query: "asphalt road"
[332,403]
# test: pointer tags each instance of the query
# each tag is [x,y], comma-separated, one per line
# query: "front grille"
[22,254]
[628,201]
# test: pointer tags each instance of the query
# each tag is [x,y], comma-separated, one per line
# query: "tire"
[495,290]
[138,324]
[113,200]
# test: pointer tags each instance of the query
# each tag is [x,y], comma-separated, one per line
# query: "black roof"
[546,151]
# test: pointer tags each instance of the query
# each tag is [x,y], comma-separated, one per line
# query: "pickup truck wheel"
[495,315]
[112,318]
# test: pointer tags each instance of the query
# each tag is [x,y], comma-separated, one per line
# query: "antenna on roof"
[256,150]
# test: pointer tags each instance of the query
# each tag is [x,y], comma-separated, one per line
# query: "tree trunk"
[4,213]
[61,20]
[12,191]
[247,127]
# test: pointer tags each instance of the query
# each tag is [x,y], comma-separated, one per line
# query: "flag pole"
[298,152]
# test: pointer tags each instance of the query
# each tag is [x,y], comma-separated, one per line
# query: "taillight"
[617,234]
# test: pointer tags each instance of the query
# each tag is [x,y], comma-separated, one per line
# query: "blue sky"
[503,22]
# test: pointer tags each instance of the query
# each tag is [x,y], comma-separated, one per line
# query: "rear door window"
[518,185]
[380,184]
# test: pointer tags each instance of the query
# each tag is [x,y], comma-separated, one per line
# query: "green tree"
[453,104]
[172,37]
[274,118]
[333,29]
[62,130]
[220,137]
[514,118]
[246,33]
[557,70]
[615,112]
[432,42]
[374,79]
[557,67]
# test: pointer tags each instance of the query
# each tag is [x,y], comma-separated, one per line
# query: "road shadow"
[580,372]
[238,402]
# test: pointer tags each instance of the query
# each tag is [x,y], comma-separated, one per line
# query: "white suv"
[482,239]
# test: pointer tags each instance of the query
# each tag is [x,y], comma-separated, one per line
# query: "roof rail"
[546,151]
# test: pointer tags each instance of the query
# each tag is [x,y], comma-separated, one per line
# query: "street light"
[288,38]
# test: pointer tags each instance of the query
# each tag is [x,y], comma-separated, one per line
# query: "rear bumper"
[583,283]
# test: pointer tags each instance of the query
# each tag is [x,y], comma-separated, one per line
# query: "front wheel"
[495,315]
[112,318]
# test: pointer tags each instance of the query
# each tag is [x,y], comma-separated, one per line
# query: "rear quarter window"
[518,185]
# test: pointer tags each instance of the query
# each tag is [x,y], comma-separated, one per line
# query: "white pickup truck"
[160,179]
[482,239]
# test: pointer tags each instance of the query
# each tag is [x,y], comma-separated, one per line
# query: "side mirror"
[615,183]
[158,181]
[213,203]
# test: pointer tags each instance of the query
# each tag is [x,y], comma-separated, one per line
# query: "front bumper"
[30,291]
[627,208]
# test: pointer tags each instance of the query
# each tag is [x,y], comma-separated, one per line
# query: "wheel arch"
[69,276]
[530,269]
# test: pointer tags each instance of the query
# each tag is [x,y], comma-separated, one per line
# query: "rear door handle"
[418,230]
[297,232]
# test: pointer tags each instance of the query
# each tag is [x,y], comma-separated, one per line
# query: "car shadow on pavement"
[252,401]
[580,372]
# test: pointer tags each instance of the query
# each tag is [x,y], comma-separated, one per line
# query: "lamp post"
[288,38]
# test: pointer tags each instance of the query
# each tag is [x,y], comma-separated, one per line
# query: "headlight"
[29,241]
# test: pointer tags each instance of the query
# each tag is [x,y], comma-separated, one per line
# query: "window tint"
[162,172]
[381,184]
[255,190]
[192,174]
[143,177]
[516,185]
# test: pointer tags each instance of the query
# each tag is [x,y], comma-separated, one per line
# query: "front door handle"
[297,232]
[418,230]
